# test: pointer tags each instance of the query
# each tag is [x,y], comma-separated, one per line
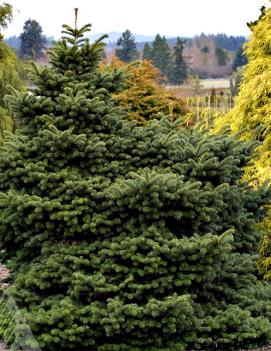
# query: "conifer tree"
[180,68]
[251,115]
[221,55]
[252,106]
[122,237]
[147,52]
[161,55]
[126,47]
[239,60]
[10,71]
[32,40]
[5,17]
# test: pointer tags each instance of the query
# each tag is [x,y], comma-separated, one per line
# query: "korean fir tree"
[123,237]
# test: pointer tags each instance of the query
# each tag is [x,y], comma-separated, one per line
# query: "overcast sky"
[149,17]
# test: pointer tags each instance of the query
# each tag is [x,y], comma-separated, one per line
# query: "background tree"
[126,47]
[162,57]
[147,52]
[229,42]
[213,96]
[240,59]
[123,237]
[143,96]
[221,55]
[196,85]
[5,16]
[10,72]
[32,40]
[180,68]
[235,80]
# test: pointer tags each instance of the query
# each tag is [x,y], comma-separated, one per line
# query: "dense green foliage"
[32,40]
[121,237]
[180,68]
[126,47]
[147,52]
[229,42]
[161,55]
[221,55]
[240,59]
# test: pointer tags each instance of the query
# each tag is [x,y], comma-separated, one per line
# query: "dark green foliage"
[221,55]
[161,55]
[229,42]
[126,238]
[32,40]
[205,49]
[180,67]
[126,47]
[240,59]
[147,52]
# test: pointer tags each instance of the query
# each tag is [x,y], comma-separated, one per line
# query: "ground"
[3,347]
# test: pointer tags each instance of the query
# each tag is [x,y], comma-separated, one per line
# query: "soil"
[3,347]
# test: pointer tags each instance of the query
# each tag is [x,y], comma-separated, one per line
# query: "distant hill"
[203,52]
[210,56]
[231,43]
[114,36]
[15,42]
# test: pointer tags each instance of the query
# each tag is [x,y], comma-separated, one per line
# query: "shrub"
[143,96]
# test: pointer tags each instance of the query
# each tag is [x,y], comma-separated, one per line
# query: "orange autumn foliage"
[143,96]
